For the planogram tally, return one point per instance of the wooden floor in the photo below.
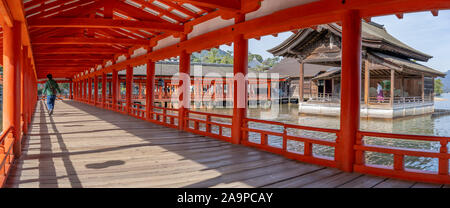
(84, 146)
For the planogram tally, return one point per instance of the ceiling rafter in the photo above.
(233, 5)
(104, 23)
(90, 41)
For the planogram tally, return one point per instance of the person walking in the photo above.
(50, 89)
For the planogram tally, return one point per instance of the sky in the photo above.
(421, 30)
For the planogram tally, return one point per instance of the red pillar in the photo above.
(76, 90)
(83, 90)
(240, 89)
(185, 82)
(115, 88)
(90, 90)
(150, 84)
(71, 90)
(104, 90)
(129, 88)
(350, 90)
(140, 90)
(11, 81)
(23, 87)
(95, 90)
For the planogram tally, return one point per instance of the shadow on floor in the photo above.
(204, 162)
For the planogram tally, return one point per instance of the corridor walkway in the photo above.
(84, 146)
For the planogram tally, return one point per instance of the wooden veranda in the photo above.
(85, 40)
(84, 146)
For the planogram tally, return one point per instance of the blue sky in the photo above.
(421, 30)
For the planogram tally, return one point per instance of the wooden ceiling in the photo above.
(71, 36)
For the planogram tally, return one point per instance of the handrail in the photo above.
(6, 156)
(161, 115)
(208, 125)
(398, 169)
(308, 142)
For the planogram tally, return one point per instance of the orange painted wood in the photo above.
(105, 23)
(90, 41)
(227, 5)
(184, 98)
(240, 69)
(11, 82)
(6, 13)
(351, 88)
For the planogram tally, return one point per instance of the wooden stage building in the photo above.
(385, 61)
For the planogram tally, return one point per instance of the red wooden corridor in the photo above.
(84, 146)
(82, 42)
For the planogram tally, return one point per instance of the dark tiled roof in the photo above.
(374, 36)
(290, 67)
(197, 69)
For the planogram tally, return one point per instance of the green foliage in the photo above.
(438, 86)
(255, 56)
(216, 56)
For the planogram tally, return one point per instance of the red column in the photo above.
(350, 90)
(185, 82)
(71, 90)
(11, 81)
(83, 90)
(240, 89)
(129, 88)
(115, 88)
(23, 87)
(95, 90)
(140, 90)
(104, 90)
(90, 90)
(150, 84)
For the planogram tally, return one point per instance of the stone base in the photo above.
(401, 110)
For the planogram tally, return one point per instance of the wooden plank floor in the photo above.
(84, 146)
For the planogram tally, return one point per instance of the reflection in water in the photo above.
(288, 113)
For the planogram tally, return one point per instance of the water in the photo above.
(418, 125)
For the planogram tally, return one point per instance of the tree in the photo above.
(255, 56)
(438, 86)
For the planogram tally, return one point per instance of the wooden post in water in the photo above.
(301, 83)
(350, 90)
(366, 82)
(391, 100)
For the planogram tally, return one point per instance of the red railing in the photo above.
(398, 169)
(138, 111)
(308, 144)
(212, 127)
(6, 154)
(165, 116)
(121, 106)
(286, 138)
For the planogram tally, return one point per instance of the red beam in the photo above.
(79, 51)
(91, 41)
(104, 23)
(233, 5)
